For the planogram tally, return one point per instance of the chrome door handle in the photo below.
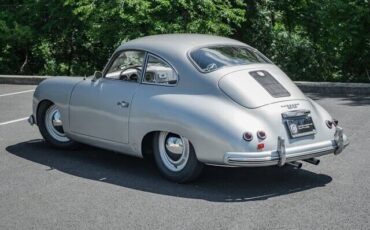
(123, 104)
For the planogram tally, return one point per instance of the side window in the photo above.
(159, 72)
(127, 66)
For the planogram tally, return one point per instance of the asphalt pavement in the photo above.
(45, 188)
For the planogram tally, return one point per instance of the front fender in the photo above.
(58, 91)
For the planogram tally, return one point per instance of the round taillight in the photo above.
(261, 135)
(329, 124)
(335, 122)
(248, 136)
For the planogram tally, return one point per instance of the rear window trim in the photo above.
(224, 45)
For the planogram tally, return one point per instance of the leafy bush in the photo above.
(314, 40)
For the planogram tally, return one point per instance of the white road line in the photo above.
(15, 93)
(13, 121)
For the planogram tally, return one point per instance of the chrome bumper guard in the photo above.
(282, 155)
(31, 120)
(338, 139)
(281, 151)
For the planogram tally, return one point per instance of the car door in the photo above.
(101, 108)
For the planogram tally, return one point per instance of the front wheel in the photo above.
(175, 157)
(51, 126)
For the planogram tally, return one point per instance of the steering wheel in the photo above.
(125, 77)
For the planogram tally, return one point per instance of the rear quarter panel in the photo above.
(212, 121)
(209, 119)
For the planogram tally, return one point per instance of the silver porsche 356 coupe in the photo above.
(188, 100)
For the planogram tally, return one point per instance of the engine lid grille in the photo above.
(271, 85)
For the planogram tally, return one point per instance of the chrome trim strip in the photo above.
(295, 113)
(248, 162)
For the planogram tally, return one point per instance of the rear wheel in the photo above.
(175, 157)
(51, 126)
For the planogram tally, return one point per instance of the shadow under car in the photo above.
(216, 184)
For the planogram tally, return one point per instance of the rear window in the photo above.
(209, 59)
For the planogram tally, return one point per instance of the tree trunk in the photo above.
(250, 14)
(21, 70)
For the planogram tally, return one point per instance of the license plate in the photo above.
(300, 126)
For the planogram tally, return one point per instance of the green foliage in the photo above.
(314, 40)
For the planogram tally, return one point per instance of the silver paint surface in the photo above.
(212, 110)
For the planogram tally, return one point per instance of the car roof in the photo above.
(180, 44)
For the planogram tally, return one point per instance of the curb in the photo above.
(334, 88)
(21, 79)
(306, 87)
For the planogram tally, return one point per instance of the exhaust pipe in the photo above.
(295, 164)
(313, 161)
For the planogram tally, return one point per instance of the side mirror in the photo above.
(97, 75)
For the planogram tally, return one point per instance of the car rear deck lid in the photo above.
(259, 85)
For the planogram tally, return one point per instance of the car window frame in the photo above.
(114, 57)
(188, 54)
(148, 54)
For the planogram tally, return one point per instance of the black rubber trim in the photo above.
(271, 85)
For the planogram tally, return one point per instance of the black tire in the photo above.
(41, 113)
(188, 173)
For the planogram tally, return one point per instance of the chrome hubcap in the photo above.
(174, 151)
(54, 125)
(174, 145)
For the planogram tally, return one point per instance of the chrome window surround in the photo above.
(162, 59)
(113, 58)
(140, 80)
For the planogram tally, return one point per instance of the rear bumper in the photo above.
(282, 155)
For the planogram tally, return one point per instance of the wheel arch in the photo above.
(38, 115)
(147, 147)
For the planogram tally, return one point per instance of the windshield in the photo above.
(209, 59)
